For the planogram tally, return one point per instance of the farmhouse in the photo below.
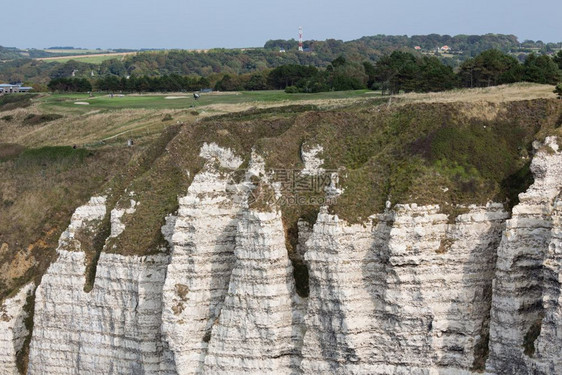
(6, 88)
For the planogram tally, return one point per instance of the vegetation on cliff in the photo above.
(453, 149)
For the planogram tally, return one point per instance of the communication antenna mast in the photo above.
(300, 39)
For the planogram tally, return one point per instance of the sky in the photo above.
(205, 24)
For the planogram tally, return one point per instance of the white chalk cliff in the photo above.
(14, 331)
(202, 260)
(526, 331)
(114, 328)
(411, 291)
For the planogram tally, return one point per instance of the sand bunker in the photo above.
(176, 97)
(82, 103)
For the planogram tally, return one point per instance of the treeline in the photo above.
(248, 61)
(404, 71)
(471, 45)
(167, 83)
(70, 85)
(492, 68)
(392, 73)
(9, 53)
(318, 53)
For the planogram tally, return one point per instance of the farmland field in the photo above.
(96, 58)
(74, 51)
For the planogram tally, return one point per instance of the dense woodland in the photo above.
(388, 63)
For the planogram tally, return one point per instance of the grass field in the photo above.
(91, 59)
(105, 120)
(74, 51)
(226, 102)
(113, 120)
(95, 57)
(214, 102)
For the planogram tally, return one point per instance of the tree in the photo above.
(558, 59)
(281, 44)
(71, 67)
(70, 85)
(346, 75)
(541, 69)
(558, 90)
(490, 68)
(257, 81)
(433, 75)
(230, 83)
(289, 75)
(112, 66)
(109, 83)
(340, 61)
(371, 72)
(396, 72)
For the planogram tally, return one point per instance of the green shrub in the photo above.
(64, 155)
(291, 89)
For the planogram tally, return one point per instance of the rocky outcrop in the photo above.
(14, 331)
(311, 159)
(260, 327)
(117, 227)
(202, 259)
(527, 282)
(114, 328)
(230, 301)
(408, 294)
(548, 346)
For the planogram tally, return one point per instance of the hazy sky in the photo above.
(250, 23)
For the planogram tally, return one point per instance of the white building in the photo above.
(6, 88)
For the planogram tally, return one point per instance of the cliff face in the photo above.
(408, 293)
(524, 337)
(260, 327)
(14, 331)
(202, 260)
(114, 328)
(411, 290)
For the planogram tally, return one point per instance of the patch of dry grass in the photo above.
(90, 129)
(496, 94)
(322, 104)
(10, 150)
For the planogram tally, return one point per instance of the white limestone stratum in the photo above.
(412, 291)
